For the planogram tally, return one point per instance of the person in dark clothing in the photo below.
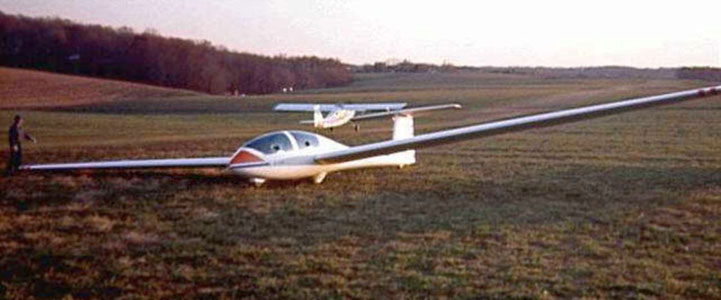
(15, 134)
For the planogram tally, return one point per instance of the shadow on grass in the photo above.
(32, 266)
(174, 219)
(341, 208)
(382, 204)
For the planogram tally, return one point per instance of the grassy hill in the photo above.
(21, 88)
(625, 206)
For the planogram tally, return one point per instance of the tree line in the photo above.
(63, 46)
(405, 66)
(700, 73)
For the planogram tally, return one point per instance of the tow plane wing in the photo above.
(415, 111)
(310, 107)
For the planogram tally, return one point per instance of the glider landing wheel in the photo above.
(318, 179)
(258, 182)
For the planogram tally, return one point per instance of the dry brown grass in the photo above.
(34, 89)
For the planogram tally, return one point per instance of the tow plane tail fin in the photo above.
(317, 116)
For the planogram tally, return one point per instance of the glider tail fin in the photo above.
(403, 129)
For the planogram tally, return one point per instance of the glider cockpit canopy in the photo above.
(285, 141)
(271, 143)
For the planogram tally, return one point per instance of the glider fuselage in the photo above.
(288, 155)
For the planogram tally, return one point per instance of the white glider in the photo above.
(340, 114)
(289, 155)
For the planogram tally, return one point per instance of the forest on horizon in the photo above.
(63, 46)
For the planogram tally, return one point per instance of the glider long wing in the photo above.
(135, 164)
(414, 111)
(510, 125)
(298, 107)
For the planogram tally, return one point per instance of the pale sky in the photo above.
(478, 33)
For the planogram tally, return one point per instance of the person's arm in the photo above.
(29, 137)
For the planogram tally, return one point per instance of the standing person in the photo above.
(15, 134)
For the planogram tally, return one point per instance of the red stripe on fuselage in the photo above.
(244, 157)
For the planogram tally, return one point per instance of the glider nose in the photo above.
(245, 157)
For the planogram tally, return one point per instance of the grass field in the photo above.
(627, 206)
(27, 88)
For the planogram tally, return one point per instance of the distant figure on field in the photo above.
(15, 134)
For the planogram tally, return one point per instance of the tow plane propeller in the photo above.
(292, 154)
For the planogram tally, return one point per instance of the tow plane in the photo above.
(293, 154)
(341, 114)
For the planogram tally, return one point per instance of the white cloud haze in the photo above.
(499, 33)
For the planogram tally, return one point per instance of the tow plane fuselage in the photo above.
(335, 118)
